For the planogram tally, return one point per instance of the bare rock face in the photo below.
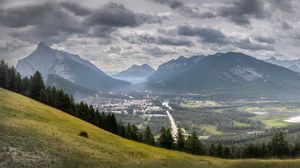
(68, 66)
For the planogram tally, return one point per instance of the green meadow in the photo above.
(36, 135)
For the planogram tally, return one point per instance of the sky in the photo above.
(114, 35)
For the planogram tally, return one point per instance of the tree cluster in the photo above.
(191, 144)
(276, 147)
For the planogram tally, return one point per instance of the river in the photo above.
(295, 119)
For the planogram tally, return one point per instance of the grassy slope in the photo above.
(36, 135)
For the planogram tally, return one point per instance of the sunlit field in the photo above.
(35, 135)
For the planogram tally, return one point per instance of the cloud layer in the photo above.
(114, 35)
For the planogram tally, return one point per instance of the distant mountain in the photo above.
(136, 73)
(68, 86)
(224, 72)
(68, 66)
(293, 65)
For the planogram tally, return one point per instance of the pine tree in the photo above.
(212, 150)
(37, 85)
(12, 79)
(169, 140)
(45, 98)
(297, 149)
(264, 150)
(122, 130)
(18, 83)
(180, 143)
(113, 124)
(279, 146)
(148, 136)
(134, 132)
(250, 151)
(193, 144)
(26, 85)
(165, 139)
(140, 136)
(4, 81)
(128, 131)
(219, 150)
(226, 152)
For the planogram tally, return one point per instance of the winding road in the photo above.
(172, 121)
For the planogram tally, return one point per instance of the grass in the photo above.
(36, 135)
(275, 108)
(274, 121)
(241, 124)
(199, 104)
(210, 130)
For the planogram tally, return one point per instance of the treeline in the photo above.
(276, 147)
(35, 88)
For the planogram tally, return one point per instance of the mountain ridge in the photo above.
(68, 87)
(230, 71)
(68, 66)
(136, 71)
(293, 65)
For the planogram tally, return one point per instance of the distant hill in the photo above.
(293, 65)
(224, 72)
(136, 73)
(144, 70)
(68, 66)
(68, 86)
(35, 135)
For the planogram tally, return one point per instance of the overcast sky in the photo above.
(116, 34)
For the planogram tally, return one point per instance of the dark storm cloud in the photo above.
(171, 3)
(284, 5)
(157, 51)
(160, 40)
(102, 31)
(76, 9)
(151, 19)
(207, 15)
(262, 39)
(285, 25)
(206, 34)
(181, 7)
(54, 22)
(247, 44)
(2, 2)
(47, 19)
(114, 15)
(240, 11)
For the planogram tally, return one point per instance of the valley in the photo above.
(150, 84)
(240, 102)
(212, 119)
(36, 135)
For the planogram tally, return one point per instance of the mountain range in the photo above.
(67, 66)
(230, 72)
(136, 73)
(293, 65)
(224, 72)
(144, 70)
